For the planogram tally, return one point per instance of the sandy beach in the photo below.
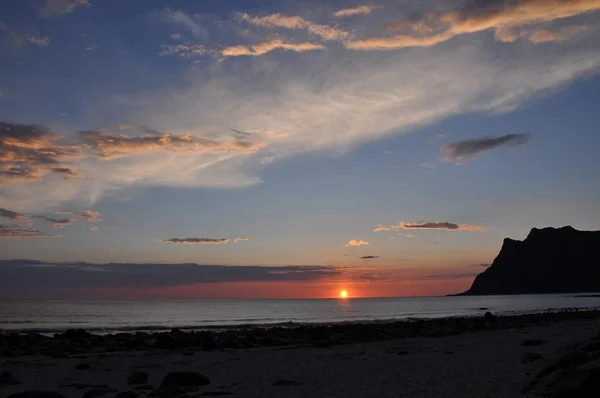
(494, 361)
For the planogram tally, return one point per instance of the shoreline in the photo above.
(289, 324)
(491, 356)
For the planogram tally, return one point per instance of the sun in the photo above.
(344, 294)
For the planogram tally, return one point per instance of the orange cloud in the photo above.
(242, 239)
(55, 8)
(12, 231)
(196, 241)
(109, 145)
(546, 35)
(356, 243)
(435, 28)
(437, 225)
(185, 50)
(265, 47)
(347, 12)
(56, 223)
(94, 229)
(326, 32)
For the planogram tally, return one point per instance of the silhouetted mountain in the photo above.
(549, 260)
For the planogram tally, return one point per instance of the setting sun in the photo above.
(343, 294)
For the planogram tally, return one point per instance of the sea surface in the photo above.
(48, 316)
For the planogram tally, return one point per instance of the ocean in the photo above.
(103, 316)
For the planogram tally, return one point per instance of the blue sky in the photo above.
(300, 126)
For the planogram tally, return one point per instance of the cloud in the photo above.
(27, 152)
(13, 231)
(186, 21)
(432, 225)
(70, 175)
(437, 137)
(196, 241)
(175, 36)
(20, 39)
(32, 276)
(91, 48)
(242, 239)
(408, 235)
(55, 8)
(347, 12)
(56, 223)
(12, 215)
(428, 165)
(555, 36)
(93, 228)
(265, 47)
(356, 243)
(468, 149)
(326, 32)
(435, 28)
(87, 215)
(111, 145)
(184, 50)
(368, 257)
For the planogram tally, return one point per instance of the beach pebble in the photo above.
(99, 392)
(530, 357)
(6, 379)
(532, 342)
(37, 394)
(185, 379)
(127, 394)
(138, 377)
(287, 383)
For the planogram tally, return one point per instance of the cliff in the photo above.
(549, 260)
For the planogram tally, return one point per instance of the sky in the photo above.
(288, 148)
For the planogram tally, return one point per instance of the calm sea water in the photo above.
(156, 314)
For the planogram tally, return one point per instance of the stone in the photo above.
(530, 357)
(7, 379)
(167, 392)
(490, 318)
(138, 377)
(82, 366)
(167, 341)
(37, 394)
(144, 387)
(99, 392)
(127, 394)
(185, 379)
(532, 342)
(287, 383)
(215, 393)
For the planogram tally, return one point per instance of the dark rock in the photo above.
(549, 260)
(6, 379)
(490, 318)
(138, 377)
(167, 341)
(74, 334)
(287, 383)
(82, 366)
(188, 353)
(37, 394)
(185, 379)
(208, 341)
(144, 387)
(99, 392)
(83, 385)
(57, 354)
(127, 394)
(167, 392)
(215, 393)
(532, 342)
(530, 357)
(591, 346)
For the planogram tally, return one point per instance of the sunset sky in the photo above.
(290, 148)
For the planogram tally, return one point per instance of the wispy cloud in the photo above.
(437, 137)
(13, 231)
(55, 8)
(56, 222)
(427, 165)
(242, 239)
(185, 49)
(196, 241)
(555, 35)
(369, 257)
(347, 12)
(435, 28)
(93, 228)
(20, 39)
(325, 32)
(91, 47)
(468, 149)
(12, 215)
(408, 235)
(432, 225)
(356, 243)
(87, 215)
(268, 46)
